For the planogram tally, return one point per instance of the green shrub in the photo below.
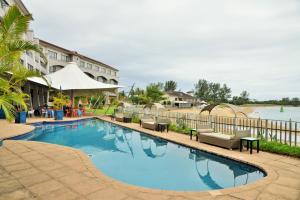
(135, 119)
(278, 148)
(179, 129)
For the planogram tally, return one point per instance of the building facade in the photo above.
(58, 57)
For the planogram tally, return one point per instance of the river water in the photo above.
(273, 112)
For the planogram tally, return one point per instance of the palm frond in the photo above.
(16, 47)
(14, 24)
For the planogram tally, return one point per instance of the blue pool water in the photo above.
(138, 159)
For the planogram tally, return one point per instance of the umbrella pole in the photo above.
(72, 99)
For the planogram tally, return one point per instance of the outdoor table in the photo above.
(191, 134)
(127, 119)
(162, 126)
(249, 140)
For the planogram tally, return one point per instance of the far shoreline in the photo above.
(266, 105)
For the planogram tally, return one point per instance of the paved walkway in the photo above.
(34, 170)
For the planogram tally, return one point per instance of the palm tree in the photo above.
(13, 74)
(170, 86)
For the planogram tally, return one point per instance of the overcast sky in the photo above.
(251, 45)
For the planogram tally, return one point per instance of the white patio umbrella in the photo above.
(72, 80)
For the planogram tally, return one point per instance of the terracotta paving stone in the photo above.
(6, 177)
(61, 172)
(60, 194)
(289, 182)
(45, 187)
(35, 179)
(269, 196)
(12, 162)
(88, 187)
(25, 172)
(10, 186)
(18, 166)
(247, 195)
(107, 193)
(283, 192)
(18, 195)
(58, 172)
(73, 179)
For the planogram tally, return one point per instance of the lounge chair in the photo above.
(229, 141)
(149, 123)
(119, 117)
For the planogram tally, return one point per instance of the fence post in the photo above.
(271, 130)
(266, 134)
(295, 133)
(285, 130)
(280, 132)
(290, 135)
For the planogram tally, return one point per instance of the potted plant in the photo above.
(2, 114)
(58, 102)
(21, 117)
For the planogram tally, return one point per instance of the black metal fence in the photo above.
(286, 132)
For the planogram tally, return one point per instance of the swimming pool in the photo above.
(142, 160)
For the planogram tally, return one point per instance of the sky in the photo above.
(251, 45)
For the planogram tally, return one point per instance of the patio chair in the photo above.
(119, 117)
(149, 123)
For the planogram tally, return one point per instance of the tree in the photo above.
(224, 93)
(202, 89)
(245, 96)
(170, 86)
(154, 93)
(13, 26)
(212, 92)
(242, 99)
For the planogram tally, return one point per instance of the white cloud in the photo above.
(249, 44)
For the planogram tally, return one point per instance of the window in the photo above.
(29, 53)
(37, 58)
(52, 55)
(103, 70)
(65, 58)
(30, 67)
(82, 64)
(89, 66)
(108, 71)
(96, 68)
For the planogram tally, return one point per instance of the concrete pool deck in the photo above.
(35, 170)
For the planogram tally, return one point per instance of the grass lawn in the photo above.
(103, 111)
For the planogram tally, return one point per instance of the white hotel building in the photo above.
(58, 57)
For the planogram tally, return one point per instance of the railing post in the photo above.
(271, 130)
(296, 133)
(290, 135)
(285, 130)
(266, 134)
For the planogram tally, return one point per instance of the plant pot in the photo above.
(58, 114)
(21, 117)
(2, 114)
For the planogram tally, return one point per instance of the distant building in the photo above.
(180, 99)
